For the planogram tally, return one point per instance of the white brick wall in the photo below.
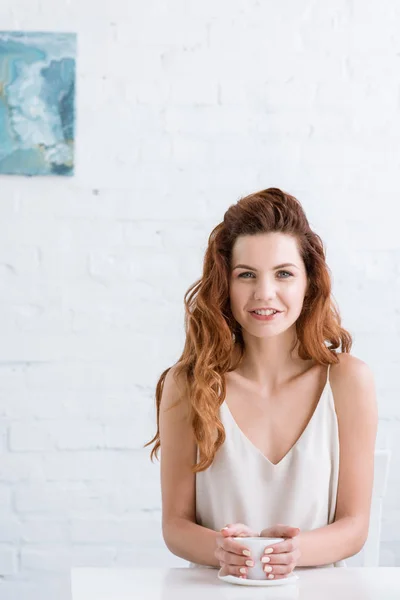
(182, 107)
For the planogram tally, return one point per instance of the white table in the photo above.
(380, 583)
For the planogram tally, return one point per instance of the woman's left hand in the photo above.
(285, 555)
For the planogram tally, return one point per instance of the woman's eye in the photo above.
(286, 274)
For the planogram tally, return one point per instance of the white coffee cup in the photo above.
(257, 545)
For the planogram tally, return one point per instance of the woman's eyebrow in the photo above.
(254, 269)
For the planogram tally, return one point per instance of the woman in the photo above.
(267, 425)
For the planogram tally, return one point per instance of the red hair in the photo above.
(212, 333)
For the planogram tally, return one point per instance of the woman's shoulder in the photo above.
(176, 375)
(352, 384)
(175, 386)
(349, 367)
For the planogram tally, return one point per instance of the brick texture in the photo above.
(182, 107)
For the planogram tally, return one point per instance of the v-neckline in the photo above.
(296, 443)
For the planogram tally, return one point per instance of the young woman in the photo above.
(266, 423)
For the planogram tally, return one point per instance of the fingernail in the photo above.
(265, 559)
(242, 570)
(247, 552)
(271, 576)
(249, 563)
(268, 551)
(268, 569)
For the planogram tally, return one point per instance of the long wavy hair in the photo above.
(214, 337)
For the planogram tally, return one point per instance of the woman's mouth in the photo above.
(265, 315)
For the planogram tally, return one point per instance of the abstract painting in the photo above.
(37, 103)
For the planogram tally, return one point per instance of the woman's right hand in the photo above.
(230, 552)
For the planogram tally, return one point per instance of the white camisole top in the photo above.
(243, 486)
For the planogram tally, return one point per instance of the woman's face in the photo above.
(267, 271)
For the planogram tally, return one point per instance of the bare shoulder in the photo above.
(350, 370)
(174, 391)
(353, 385)
(175, 378)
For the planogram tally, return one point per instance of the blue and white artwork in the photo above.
(37, 103)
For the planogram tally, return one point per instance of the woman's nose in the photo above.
(265, 290)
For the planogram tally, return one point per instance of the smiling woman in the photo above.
(282, 290)
(256, 420)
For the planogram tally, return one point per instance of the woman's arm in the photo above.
(191, 542)
(330, 543)
(178, 451)
(353, 390)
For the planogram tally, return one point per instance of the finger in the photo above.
(279, 569)
(288, 545)
(277, 559)
(237, 530)
(233, 559)
(234, 546)
(280, 531)
(282, 559)
(236, 571)
(272, 576)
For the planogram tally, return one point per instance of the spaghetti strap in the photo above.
(327, 373)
